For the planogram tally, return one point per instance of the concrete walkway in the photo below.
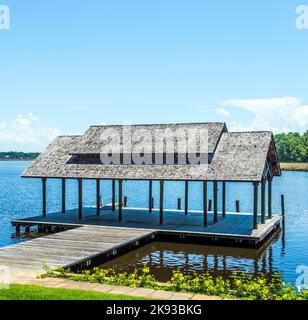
(30, 278)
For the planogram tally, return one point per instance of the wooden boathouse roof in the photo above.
(233, 156)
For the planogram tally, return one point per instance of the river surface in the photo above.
(22, 198)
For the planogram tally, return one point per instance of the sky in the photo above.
(66, 65)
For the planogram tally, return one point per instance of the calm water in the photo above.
(22, 198)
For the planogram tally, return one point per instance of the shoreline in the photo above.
(25, 159)
(294, 166)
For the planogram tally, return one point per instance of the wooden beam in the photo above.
(205, 203)
(44, 210)
(161, 202)
(255, 205)
(269, 198)
(113, 196)
(150, 195)
(263, 201)
(98, 195)
(215, 201)
(120, 200)
(223, 199)
(186, 198)
(63, 195)
(79, 198)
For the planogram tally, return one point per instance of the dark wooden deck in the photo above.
(235, 226)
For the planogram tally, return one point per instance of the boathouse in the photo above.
(243, 157)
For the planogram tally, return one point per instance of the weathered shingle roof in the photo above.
(238, 157)
(241, 156)
(55, 163)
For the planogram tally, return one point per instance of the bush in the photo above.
(239, 285)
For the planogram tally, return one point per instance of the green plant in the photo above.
(239, 285)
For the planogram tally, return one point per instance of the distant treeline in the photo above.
(18, 155)
(292, 147)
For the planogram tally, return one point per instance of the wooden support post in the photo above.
(263, 201)
(205, 203)
(98, 197)
(186, 198)
(113, 196)
(161, 202)
(63, 195)
(150, 196)
(179, 204)
(269, 198)
(152, 202)
(125, 202)
(237, 205)
(215, 201)
(223, 199)
(79, 198)
(282, 206)
(210, 205)
(120, 200)
(255, 205)
(44, 196)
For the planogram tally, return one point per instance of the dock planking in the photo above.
(233, 225)
(68, 247)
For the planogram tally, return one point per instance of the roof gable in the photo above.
(242, 156)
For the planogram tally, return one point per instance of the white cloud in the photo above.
(26, 133)
(223, 112)
(277, 114)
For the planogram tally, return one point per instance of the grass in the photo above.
(34, 292)
(293, 166)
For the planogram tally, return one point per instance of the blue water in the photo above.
(22, 198)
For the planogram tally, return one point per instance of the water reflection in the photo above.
(163, 258)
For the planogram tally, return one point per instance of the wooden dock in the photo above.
(235, 229)
(78, 246)
(95, 239)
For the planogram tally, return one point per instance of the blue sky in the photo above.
(65, 65)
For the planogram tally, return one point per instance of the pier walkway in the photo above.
(71, 247)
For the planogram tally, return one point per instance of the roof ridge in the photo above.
(69, 135)
(157, 124)
(258, 131)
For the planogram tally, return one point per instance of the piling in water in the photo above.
(282, 206)
(237, 205)
(179, 203)
(210, 205)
